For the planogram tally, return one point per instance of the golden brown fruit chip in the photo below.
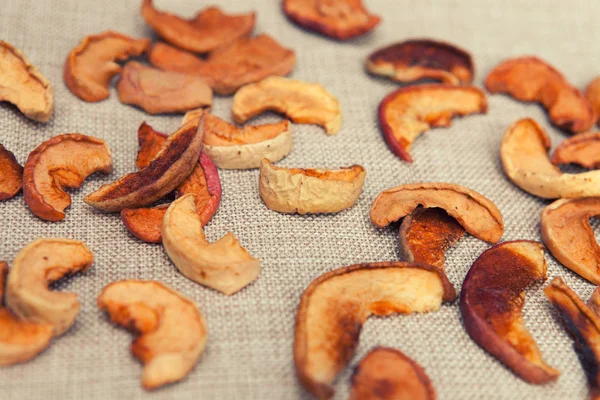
(63, 161)
(410, 111)
(592, 93)
(303, 103)
(11, 174)
(474, 212)
(23, 85)
(91, 65)
(334, 307)
(582, 149)
(531, 79)
(491, 304)
(209, 29)
(418, 59)
(338, 19)
(388, 374)
(171, 330)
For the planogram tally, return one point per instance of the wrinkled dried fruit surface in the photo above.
(418, 59)
(592, 93)
(582, 149)
(303, 103)
(410, 111)
(334, 307)
(63, 161)
(11, 174)
(145, 223)
(339, 19)
(491, 304)
(532, 79)
(208, 30)
(23, 85)
(91, 65)
(171, 331)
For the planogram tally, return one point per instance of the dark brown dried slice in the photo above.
(11, 174)
(582, 149)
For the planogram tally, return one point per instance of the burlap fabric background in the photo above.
(249, 352)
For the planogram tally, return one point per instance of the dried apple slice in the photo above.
(145, 223)
(303, 103)
(334, 307)
(582, 149)
(592, 93)
(11, 174)
(23, 85)
(418, 59)
(150, 142)
(491, 304)
(209, 29)
(91, 65)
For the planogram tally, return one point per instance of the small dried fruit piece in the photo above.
(63, 161)
(491, 304)
(23, 85)
(338, 19)
(410, 111)
(91, 65)
(11, 174)
(335, 305)
(171, 330)
(303, 103)
(592, 93)
(145, 223)
(582, 149)
(150, 142)
(532, 79)
(417, 59)
(388, 374)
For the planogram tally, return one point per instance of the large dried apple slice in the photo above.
(410, 111)
(582, 149)
(11, 174)
(491, 304)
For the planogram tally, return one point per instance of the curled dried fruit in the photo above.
(410, 111)
(335, 305)
(532, 79)
(592, 93)
(23, 85)
(582, 149)
(63, 161)
(310, 191)
(171, 330)
(11, 174)
(303, 103)
(491, 304)
(91, 65)
(418, 59)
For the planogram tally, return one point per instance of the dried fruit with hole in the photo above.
(303, 103)
(11, 174)
(171, 331)
(491, 304)
(63, 161)
(592, 93)
(410, 111)
(334, 307)
(91, 65)
(23, 85)
(582, 149)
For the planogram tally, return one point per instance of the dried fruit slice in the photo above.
(23, 85)
(209, 29)
(582, 149)
(474, 212)
(310, 191)
(338, 19)
(91, 65)
(303, 103)
(150, 142)
(418, 59)
(11, 174)
(491, 304)
(410, 111)
(532, 79)
(171, 330)
(145, 223)
(592, 93)
(335, 306)
(63, 161)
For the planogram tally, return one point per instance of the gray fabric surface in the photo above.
(249, 352)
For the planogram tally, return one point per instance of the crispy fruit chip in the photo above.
(410, 111)
(209, 29)
(11, 174)
(303, 103)
(335, 305)
(531, 79)
(63, 161)
(418, 59)
(91, 65)
(491, 304)
(338, 19)
(23, 85)
(582, 149)
(592, 93)
(171, 330)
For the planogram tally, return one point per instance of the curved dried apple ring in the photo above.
(303, 103)
(11, 174)
(23, 85)
(334, 307)
(417, 59)
(592, 93)
(410, 111)
(582, 149)
(91, 65)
